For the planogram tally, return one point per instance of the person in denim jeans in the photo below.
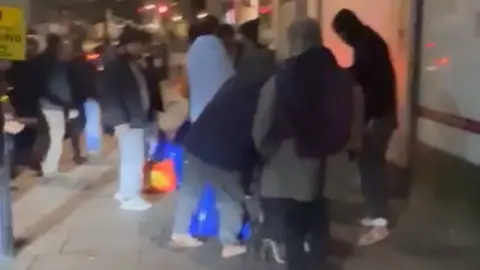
(126, 106)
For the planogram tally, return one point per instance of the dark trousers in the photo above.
(293, 223)
(372, 165)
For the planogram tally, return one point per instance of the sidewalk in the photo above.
(78, 226)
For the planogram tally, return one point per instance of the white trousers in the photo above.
(56, 122)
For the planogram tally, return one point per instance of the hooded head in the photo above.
(58, 47)
(132, 42)
(207, 25)
(33, 46)
(250, 30)
(303, 34)
(348, 26)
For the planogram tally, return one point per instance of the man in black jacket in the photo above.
(126, 107)
(374, 71)
(57, 101)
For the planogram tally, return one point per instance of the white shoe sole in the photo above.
(233, 252)
(119, 197)
(369, 222)
(126, 207)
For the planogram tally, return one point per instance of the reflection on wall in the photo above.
(450, 78)
(391, 19)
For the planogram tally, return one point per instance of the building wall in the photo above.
(449, 81)
(392, 19)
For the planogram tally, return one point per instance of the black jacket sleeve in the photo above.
(44, 66)
(113, 110)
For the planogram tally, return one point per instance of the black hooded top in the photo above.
(372, 65)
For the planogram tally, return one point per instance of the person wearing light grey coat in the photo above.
(291, 187)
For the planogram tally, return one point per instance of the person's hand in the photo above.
(170, 135)
(121, 128)
(73, 113)
(13, 127)
(8, 110)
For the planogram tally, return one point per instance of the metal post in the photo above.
(415, 75)
(6, 228)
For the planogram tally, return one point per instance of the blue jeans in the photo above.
(132, 155)
(93, 131)
(228, 193)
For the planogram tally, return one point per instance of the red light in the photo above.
(265, 9)
(431, 45)
(92, 56)
(442, 61)
(162, 9)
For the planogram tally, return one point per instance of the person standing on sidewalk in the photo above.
(374, 72)
(83, 76)
(126, 108)
(212, 153)
(303, 117)
(57, 102)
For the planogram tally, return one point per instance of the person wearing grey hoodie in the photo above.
(291, 185)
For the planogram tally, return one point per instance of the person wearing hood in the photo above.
(57, 100)
(375, 73)
(291, 189)
(250, 53)
(126, 108)
(217, 152)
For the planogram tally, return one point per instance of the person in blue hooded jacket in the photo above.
(219, 144)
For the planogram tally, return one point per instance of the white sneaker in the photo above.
(233, 250)
(119, 197)
(278, 252)
(135, 204)
(374, 235)
(306, 247)
(184, 241)
(374, 222)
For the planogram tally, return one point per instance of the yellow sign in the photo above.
(12, 33)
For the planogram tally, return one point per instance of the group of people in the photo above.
(277, 121)
(243, 117)
(63, 94)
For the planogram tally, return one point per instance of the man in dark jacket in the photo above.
(218, 154)
(25, 94)
(57, 102)
(374, 71)
(126, 108)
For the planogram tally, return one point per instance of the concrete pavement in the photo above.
(74, 224)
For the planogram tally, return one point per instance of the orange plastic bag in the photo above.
(161, 176)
